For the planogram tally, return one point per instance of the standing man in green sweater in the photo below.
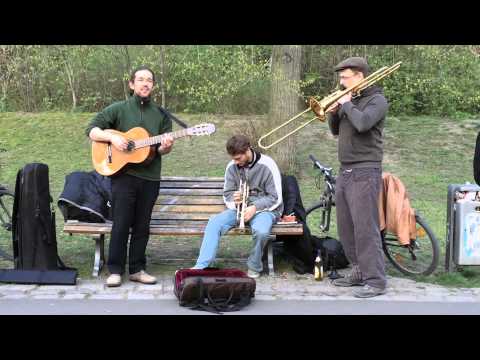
(135, 190)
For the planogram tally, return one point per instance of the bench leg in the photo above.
(269, 249)
(99, 254)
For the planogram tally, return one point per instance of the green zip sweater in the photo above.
(127, 114)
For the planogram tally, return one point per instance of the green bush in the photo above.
(252, 98)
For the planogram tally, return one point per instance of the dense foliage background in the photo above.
(235, 79)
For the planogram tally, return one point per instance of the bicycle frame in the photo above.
(327, 200)
(5, 218)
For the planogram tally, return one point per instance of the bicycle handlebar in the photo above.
(326, 171)
(318, 164)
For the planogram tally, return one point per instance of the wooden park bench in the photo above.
(183, 207)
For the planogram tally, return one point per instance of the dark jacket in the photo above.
(299, 248)
(86, 197)
(127, 114)
(292, 200)
(476, 161)
(359, 125)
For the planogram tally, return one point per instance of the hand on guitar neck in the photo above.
(166, 144)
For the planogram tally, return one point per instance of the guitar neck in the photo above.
(154, 140)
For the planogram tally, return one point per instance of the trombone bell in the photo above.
(317, 109)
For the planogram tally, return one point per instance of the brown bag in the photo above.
(213, 289)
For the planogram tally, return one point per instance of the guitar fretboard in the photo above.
(154, 140)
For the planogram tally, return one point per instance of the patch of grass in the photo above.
(426, 153)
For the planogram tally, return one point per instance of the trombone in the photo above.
(325, 105)
(242, 207)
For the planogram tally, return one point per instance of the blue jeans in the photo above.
(219, 224)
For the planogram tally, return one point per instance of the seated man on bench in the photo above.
(264, 204)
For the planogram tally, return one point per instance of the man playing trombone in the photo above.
(358, 120)
(260, 203)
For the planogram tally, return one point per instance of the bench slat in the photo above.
(191, 185)
(189, 208)
(189, 200)
(196, 192)
(178, 223)
(192, 178)
(180, 216)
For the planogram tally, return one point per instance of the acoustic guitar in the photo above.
(107, 160)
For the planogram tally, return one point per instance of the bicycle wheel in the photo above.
(324, 213)
(318, 205)
(420, 257)
(6, 207)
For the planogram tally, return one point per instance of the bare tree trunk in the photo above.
(162, 73)
(4, 92)
(285, 101)
(26, 95)
(337, 58)
(33, 93)
(71, 82)
(27, 86)
(128, 65)
(3, 99)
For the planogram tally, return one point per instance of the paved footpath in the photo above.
(285, 287)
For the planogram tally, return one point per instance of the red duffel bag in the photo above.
(214, 290)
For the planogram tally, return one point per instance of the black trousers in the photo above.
(358, 222)
(132, 204)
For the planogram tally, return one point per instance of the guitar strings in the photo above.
(157, 139)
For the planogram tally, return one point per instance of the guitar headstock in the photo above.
(201, 129)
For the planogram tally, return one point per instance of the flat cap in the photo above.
(354, 62)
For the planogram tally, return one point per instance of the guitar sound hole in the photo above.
(131, 145)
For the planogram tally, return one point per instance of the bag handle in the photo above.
(219, 304)
(217, 307)
(200, 304)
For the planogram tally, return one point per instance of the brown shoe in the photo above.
(114, 280)
(143, 278)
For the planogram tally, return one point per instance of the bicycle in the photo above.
(420, 257)
(6, 208)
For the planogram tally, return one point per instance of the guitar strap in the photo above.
(174, 118)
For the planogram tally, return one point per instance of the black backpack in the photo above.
(33, 228)
(332, 253)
